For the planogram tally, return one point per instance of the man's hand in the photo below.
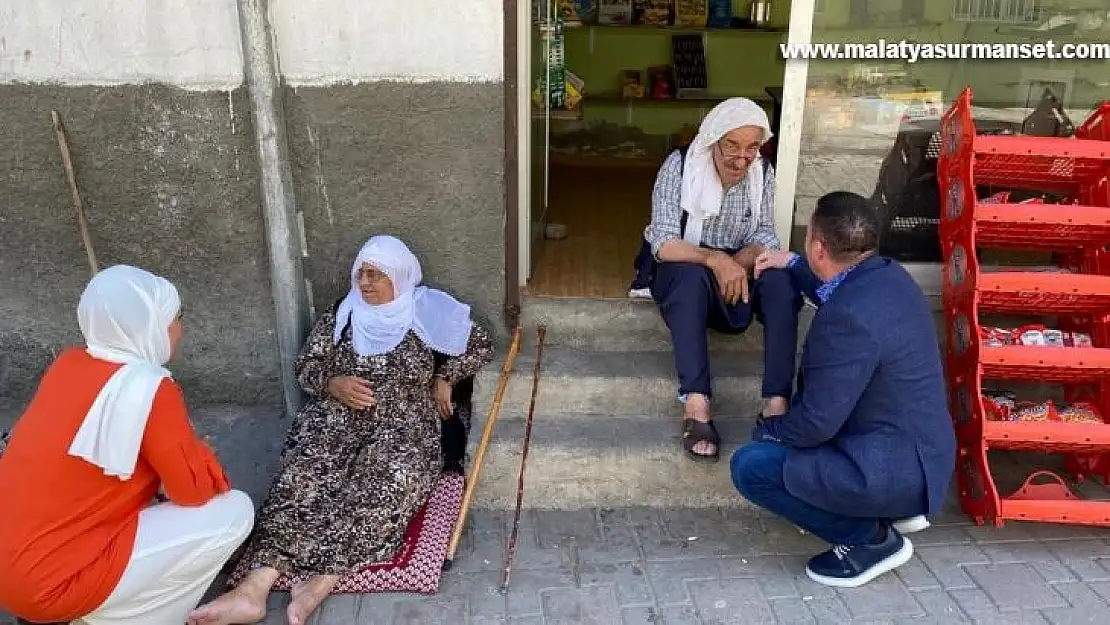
(351, 391)
(746, 257)
(772, 259)
(732, 278)
(441, 395)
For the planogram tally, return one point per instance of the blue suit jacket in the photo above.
(869, 430)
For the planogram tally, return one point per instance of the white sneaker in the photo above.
(911, 525)
(640, 293)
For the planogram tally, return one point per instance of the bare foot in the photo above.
(243, 605)
(233, 607)
(697, 408)
(307, 596)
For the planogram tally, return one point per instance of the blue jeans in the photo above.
(757, 472)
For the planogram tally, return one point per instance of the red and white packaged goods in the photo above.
(1035, 336)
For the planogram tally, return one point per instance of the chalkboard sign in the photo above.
(688, 54)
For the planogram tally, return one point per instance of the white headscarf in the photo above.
(442, 322)
(125, 314)
(702, 191)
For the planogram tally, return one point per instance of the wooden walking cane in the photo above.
(510, 553)
(483, 445)
(82, 219)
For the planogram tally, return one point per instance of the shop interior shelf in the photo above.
(1047, 436)
(1045, 293)
(1051, 163)
(1069, 511)
(1045, 364)
(1041, 226)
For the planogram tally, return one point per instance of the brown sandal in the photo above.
(694, 432)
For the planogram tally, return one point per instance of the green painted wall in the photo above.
(740, 63)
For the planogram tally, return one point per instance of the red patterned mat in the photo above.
(418, 565)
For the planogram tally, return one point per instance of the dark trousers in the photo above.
(690, 301)
(757, 472)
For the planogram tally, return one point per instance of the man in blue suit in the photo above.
(867, 446)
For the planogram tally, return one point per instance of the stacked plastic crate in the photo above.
(1040, 194)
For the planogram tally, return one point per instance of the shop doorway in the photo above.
(608, 89)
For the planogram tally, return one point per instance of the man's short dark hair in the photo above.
(847, 224)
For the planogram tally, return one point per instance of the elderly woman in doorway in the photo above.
(365, 453)
(81, 538)
(712, 216)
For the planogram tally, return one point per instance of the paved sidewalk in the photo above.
(707, 567)
(712, 567)
(686, 567)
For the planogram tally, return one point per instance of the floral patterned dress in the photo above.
(351, 480)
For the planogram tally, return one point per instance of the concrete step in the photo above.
(577, 381)
(635, 325)
(616, 325)
(607, 420)
(609, 461)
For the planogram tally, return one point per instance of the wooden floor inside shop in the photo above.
(605, 211)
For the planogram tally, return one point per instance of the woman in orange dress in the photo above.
(81, 538)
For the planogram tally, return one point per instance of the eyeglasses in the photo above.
(372, 275)
(732, 150)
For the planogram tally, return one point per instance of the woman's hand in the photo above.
(441, 395)
(351, 391)
(731, 277)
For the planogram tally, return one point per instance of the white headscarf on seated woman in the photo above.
(442, 322)
(702, 190)
(124, 314)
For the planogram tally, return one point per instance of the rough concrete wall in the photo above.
(423, 162)
(394, 112)
(170, 184)
(167, 171)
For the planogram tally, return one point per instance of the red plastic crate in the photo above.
(1049, 163)
(1015, 161)
(1078, 169)
(1041, 226)
(1043, 293)
(1045, 364)
(1097, 126)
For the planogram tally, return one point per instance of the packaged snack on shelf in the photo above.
(1033, 411)
(998, 198)
(614, 12)
(651, 12)
(571, 11)
(575, 90)
(720, 13)
(999, 404)
(997, 337)
(1032, 336)
(1079, 412)
(1078, 339)
(691, 13)
(1053, 338)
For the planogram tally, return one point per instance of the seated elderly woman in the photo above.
(81, 538)
(712, 216)
(365, 453)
